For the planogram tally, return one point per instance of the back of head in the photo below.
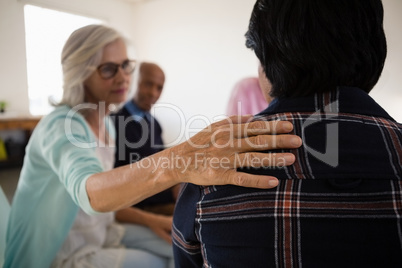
(81, 55)
(309, 46)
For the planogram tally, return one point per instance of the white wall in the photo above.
(388, 91)
(199, 44)
(13, 73)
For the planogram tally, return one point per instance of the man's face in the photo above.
(150, 86)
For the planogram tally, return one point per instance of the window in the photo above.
(46, 32)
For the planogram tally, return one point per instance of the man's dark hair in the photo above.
(309, 46)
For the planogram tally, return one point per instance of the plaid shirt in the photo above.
(339, 205)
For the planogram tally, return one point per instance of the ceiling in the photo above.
(134, 1)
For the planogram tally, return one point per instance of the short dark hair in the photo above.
(310, 46)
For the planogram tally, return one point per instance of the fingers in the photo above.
(261, 128)
(213, 155)
(258, 135)
(246, 127)
(242, 127)
(268, 127)
(269, 142)
(249, 180)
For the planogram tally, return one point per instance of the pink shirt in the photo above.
(246, 98)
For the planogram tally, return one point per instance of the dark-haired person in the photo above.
(340, 205)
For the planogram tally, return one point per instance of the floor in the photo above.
(8, 181)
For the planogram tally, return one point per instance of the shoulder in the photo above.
(61, 115)
(64, 122)
(156, 122)
(119, 118)
(123, 111)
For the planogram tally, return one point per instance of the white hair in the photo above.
(81, 55)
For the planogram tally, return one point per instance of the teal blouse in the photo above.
(60, 157)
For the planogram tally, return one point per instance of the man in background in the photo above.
(139, 134)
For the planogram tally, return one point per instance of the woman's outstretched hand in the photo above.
(212, 156)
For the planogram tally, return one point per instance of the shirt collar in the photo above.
(342, 100)
(135, 111)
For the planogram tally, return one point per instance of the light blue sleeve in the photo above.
(69, 147)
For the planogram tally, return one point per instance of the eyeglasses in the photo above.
(109, 70)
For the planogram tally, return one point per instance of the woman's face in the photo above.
(112, 90)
